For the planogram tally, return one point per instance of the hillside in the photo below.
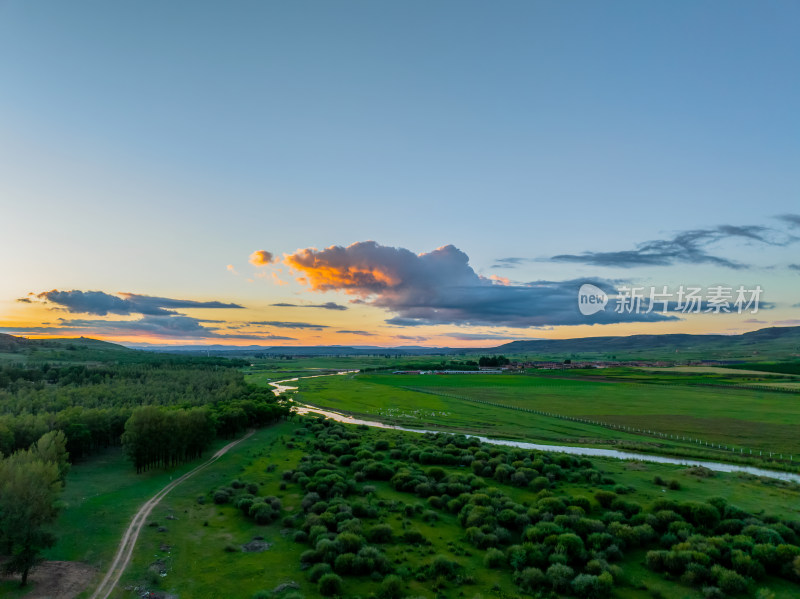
(769, 343)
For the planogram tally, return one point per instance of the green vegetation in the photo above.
(687, 415)
(30, 483)
(318, 508)
(781, 367)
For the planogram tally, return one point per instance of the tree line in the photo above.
(176, 403)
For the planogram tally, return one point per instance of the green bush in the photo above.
(530, 579)
(381, 533)
(391, 588)
(330, 584)
(494, 558)
(318, 571)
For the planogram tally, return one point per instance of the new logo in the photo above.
(591, 299)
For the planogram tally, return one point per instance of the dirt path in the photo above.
(125, 551)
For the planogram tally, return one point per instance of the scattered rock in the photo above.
(164, 547)
(285, 586)
(162, 529)
(256, 546)
(171, 517)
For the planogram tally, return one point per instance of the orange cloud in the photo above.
(500, 280)
(352, 269)
(261, 258)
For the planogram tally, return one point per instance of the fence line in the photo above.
(740, 451)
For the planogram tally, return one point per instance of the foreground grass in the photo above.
(200, 552)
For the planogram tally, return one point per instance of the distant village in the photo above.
(566, 365)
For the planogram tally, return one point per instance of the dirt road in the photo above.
(125, 551)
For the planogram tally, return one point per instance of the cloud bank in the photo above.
(440, 287)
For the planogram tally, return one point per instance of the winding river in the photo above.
(281, 387)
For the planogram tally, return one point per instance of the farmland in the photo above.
(583, 407)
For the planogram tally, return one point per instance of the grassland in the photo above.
(200, 556)
(716, 409)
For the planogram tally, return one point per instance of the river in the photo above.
(280, 387)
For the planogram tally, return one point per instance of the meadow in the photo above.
(408, 506)
(586, 408)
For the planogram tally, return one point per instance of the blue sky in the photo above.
(147, 146)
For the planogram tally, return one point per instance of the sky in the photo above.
(397, 173)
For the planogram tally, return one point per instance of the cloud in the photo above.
(795, 267)
(100, 303)
(411, 337)
(685, 247)
(440, 287)
(509, 262)
(170, 326)
(790, 323)
(793, 220)
(362, 333)
(261, 258)
(290, 325)
(482, 336)
(325, 306)
(755, 321)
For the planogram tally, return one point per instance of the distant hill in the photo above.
(772, 343)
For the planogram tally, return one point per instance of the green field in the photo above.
(711, 410)
(200, 552)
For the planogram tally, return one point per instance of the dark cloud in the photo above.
(440, 287)
(363, 333)
(325, 306)
(290, 325)
(171, 326)
(124, 304)
(482, 336)
(795, 267)
(509, 262)
(685, 247)
(793, 220)
(411, 337)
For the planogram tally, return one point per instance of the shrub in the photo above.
(674, 485)
(318, 571)
(300, 537)
(494, 558)
(729, 581)
(391, 587)
(381, 533)
(345, 563)
(560, 577)
(444, 567)
(530, 579)
(604, 498)
(330, 584)
(590, 586)
(347, 542)
(221, 496)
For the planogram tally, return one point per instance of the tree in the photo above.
(29, 488)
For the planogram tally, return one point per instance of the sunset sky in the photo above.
(351, 172)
